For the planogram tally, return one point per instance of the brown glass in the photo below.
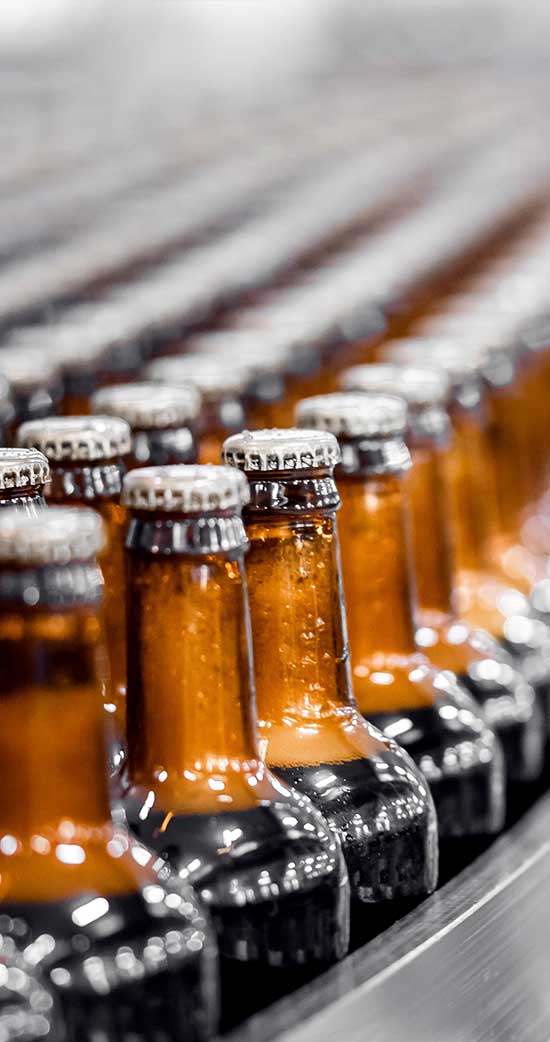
(395, 684)
(52, 746)
(191, 733)
(310, 729)
(98, 484)
(221, 415)
(60, 854)
(480, 580)
(305, 706)
(29, 499)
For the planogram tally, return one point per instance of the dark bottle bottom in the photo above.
(517, 719)
(275, 884)
(124, 969)
(382, 812)
(534, 664)
(463, 767)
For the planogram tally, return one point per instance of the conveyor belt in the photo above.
(469, 965)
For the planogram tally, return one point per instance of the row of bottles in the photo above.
(295, 795)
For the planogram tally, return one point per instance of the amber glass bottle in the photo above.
(125, 949)
(87, 461)
(394, 683)
(196, 788)
(260, 367)
(310, 727)
(162, 419)
(34, 382)
(23, 474)
(482, 595)
(222, 387)
(481, 664)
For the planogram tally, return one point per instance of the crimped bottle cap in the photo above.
(196, 489)
(281, 449)
(58, 535)
(149, 406)
(212, 375)
(23, 468)
(420, 385)
(456, 358)
(349, 415)
(77, 437)
(25, 367)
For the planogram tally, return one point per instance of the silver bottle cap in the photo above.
(419, 385)
(349, 415)
(282, 449)
(77, 437)
(26, 367)
(149, 406)
(455, 358)
(58, 535)
(197, 489)
(212, 375)
(23, 468)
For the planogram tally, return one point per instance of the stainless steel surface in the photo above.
(471, 964)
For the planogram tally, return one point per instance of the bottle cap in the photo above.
(212, 375)
(349, 415)
(198, 489)
(23, 468)
(419, 385)
(77, 437)
(58, 535)
(149, 406)
(26, 367)
(281, 449)
(456, 358)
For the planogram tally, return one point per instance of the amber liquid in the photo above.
(309, 723)
(65, 871)
(197, 791)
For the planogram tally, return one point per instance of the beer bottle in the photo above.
(310, 728)
(87, 461)
(34, 381)
(127, 950)
(23, 474)
(262, 372)
(479, 662)
(394, 683)
(483, 596)
(162, 419)
(196, 789)
(222, 384)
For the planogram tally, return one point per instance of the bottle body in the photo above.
(395, 685)
(67, 873)
(310, 728)
(98, 484)
(195, 787)
(482, 665)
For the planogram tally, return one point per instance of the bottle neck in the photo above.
(471, 491)
(376, 568)
(431, 539)
(28, 500)
(163, 447)
(52, 721)
(190, 704)
(99, 485)
(297, 609)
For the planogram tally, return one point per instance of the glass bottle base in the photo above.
(384, 817)
(463, 766)
(124, 967)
